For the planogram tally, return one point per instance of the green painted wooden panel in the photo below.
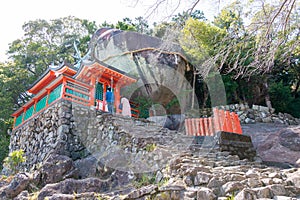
(55, 94)
(41, 104)
(29, 112)
(78, 94)
(99, 91)
(19, 120)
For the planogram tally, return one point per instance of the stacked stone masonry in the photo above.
(77, 146)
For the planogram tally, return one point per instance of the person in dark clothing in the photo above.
(110, 99)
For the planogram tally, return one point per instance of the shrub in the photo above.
(281, 97)
(4, 139)
(14, 160)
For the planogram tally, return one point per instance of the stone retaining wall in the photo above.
(236, 144)
(76, 131)
(256, 113)
(45, 134)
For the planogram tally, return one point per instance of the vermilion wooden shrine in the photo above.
(85, 86)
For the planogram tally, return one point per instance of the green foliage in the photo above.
(199, 39)
(144, 105)
(230, 18)
(14, 160)
(282, 99)
(231, 197)
(280, 96)
(163, 181)
(126, 24)
(145, 179)
(4, 143)
(150, 147)
(230, 88)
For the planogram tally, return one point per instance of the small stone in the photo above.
(251, 174)
(277, 190)
(188, 180)
(277, 181)
(254, 182)
(202, 178)
(232, 186)
(267, 181)
(263, 192)
(249, 121)
(205, 193)
(215, 183)
(267, 119)
(283, 198)
(159, 176)
(245, 194)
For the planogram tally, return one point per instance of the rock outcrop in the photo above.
(74, 152)
(188, 175)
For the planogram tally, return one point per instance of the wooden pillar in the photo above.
(117, 98)
(24, 113)
(48, 94)
(63, 88)
(104, 96)
(15, 119)
(92, 92)
(34, 108)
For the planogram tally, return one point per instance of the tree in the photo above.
(44, 43)
(47, 42)
(126, 24)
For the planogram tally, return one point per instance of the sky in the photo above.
(14, 13)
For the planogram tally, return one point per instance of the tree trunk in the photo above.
(267, 95)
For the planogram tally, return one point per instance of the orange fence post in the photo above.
(216, 120)
(238, 124)
(186, 124)
(234, 126)
(201, 124)
(228, 121)
(205, 127)
(190, 127)
(223, 126)
(197, 124)
(194, 130)
(210, 127)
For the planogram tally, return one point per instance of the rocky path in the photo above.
(196, 173)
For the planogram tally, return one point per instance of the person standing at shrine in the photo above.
(110, 99)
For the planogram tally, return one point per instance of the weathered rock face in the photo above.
(19, 183)
(90, 153)
(282, 146)
(56, 168)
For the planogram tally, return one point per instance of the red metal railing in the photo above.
(62, 88)
(220, 121)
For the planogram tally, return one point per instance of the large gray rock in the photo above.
(275, 144)
(87, 167)
(290, 138)
(19, 183)
(57, 168)
(70, 186)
